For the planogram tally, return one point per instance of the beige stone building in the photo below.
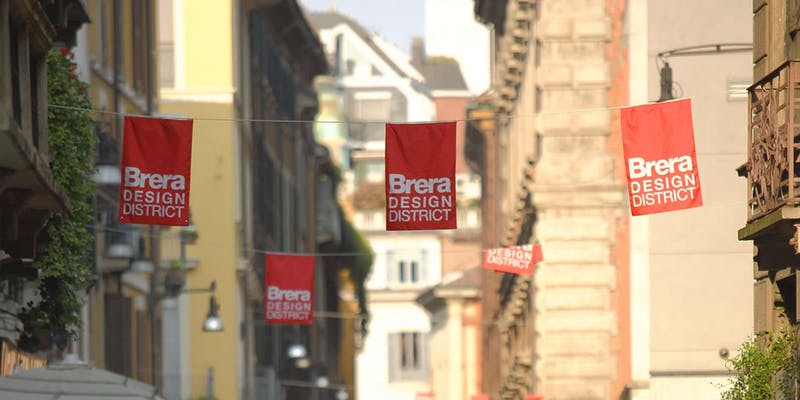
(621, 306)
(771, 168)
(556, 179)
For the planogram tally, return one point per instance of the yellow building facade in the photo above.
(115, 56)
(196, 49)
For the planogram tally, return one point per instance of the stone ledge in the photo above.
(596, 28)
(558, 389)
(583, 367)
(575, 344)
(555, 275)
(575, 321)
(576, 298)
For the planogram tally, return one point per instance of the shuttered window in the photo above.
(406, 267)
(408, 356)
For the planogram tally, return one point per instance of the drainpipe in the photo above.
(148, 38)
(117, 61)
(155, 245)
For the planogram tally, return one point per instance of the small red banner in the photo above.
(420, 176)
(480, 397)
(425, 396)
(660, 157)
(534, 397)
(514, 259)
(156, 165)
(288, 289)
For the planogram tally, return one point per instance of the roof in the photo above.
(470, 278)
(443, 73)
(459, 285)
(400, 65)
(72, 379)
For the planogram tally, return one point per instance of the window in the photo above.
(102, 25)
(408, 356)
(406, 267)
(408, 272)
(166, 45)
(16, 94)
(373, 107)
(12, 289)
(140, 45)
(737, 90)
(371, 171)
(460, 189)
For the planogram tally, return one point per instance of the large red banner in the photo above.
(420, 176)
(660, 157)
(156, 165)
(288, 289)
(514, 259)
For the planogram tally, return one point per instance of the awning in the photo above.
(73, 379)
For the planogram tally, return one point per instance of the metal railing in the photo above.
(773, 141)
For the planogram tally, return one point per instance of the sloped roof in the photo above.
(331, 19)
(470, 278)
(443, 73)
(72, 379)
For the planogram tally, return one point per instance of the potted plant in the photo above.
(174, 278)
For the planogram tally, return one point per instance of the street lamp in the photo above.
(213, 322)
(296, 350)
(341, 394)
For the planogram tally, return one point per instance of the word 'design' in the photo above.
(420, 176)
(660, 157)
(289, 285)
(514, 259)
(156, 166)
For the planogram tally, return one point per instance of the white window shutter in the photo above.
(394, 359)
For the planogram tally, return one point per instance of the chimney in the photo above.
(417, 52)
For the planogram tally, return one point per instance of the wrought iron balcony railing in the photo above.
(773, 142)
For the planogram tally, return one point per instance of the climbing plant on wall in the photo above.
(64, 251)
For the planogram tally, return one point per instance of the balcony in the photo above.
(773, 168)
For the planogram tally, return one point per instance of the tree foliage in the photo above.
(766, 366)
(64, 251)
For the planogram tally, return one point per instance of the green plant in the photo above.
(766, 366)
(359, 262)
(370, 196)
(64, 250)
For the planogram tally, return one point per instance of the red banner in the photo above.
(420, 176)
(424, 396)
(288, 289)
(514, 259)
(660, 157)
(156, 164)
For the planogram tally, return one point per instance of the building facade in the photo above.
(378, 83)
(772, 198)
(462, 38)
(554, 177)
(601, 317)
(693, 325)
(29, 193)
(255, 190)
(455, 339)
(122, 326)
